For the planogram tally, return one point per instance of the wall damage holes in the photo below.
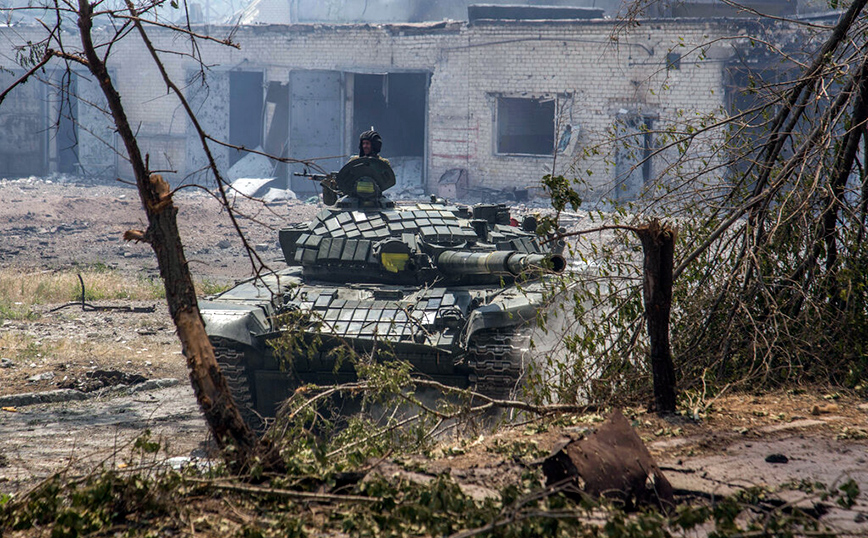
(525, 126)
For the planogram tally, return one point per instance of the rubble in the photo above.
(613, 462)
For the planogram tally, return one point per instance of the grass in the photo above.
(210, 287)
(49, 287)
(19, 290)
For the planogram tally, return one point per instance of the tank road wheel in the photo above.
(231, 358)
(497, 362)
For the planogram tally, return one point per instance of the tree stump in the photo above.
(658, 245)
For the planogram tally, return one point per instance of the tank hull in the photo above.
(462, 336)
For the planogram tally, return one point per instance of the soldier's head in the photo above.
(370, 144)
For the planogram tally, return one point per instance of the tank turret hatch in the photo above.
(363, 181)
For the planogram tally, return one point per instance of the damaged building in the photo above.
(491, 103)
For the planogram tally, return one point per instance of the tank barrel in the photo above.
(499, 262)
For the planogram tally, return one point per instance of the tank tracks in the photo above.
(497, 361)
(232, 363)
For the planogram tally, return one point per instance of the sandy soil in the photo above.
(61, 225)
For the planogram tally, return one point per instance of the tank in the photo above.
(450, 288)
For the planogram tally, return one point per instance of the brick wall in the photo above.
(593, 76)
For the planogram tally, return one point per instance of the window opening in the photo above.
(525, 126)
(633, 152)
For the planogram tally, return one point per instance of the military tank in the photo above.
(434, 283)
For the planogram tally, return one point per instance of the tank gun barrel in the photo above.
(498, 263)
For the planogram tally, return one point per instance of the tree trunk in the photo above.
(658, 245)
(209, 385)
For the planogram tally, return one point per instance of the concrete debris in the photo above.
(453, 183)
(33, 398)
(180, 463)
(100, 379)
(67, 394)
(614, 462)
(154, 384)
(251, 186)
(44, 376)
(278, 195)
(6, 363)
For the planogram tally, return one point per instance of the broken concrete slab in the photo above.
(68, 395)
(33, 398)
(794, 425)
(251, 186)
(251, 165)
(154, 384)
(613, 462)
(278, 195)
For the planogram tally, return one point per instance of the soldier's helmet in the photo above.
(375, 139)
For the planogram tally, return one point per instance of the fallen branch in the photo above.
(292, 494)
(488, 402)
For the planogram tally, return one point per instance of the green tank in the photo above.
(435, 283)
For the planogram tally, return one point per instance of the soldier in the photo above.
(370, 144)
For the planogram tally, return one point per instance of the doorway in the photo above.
(395, 105)
(245, 112)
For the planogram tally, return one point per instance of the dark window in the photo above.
(673, 61)
(245, 111)
(525, 126)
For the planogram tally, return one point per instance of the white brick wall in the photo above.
(468, 65)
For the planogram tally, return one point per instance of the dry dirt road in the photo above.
(48, 226)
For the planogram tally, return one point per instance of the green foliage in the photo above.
(207, 286)
(72, 508)
(402, 504)
(850, 492)
(595, 317)
(522, 450)
(145, 444)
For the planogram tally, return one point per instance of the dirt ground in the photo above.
(63, 225)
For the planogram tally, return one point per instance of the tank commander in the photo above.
(370, 144)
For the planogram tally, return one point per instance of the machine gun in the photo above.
(362, 179)
(328, 182)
